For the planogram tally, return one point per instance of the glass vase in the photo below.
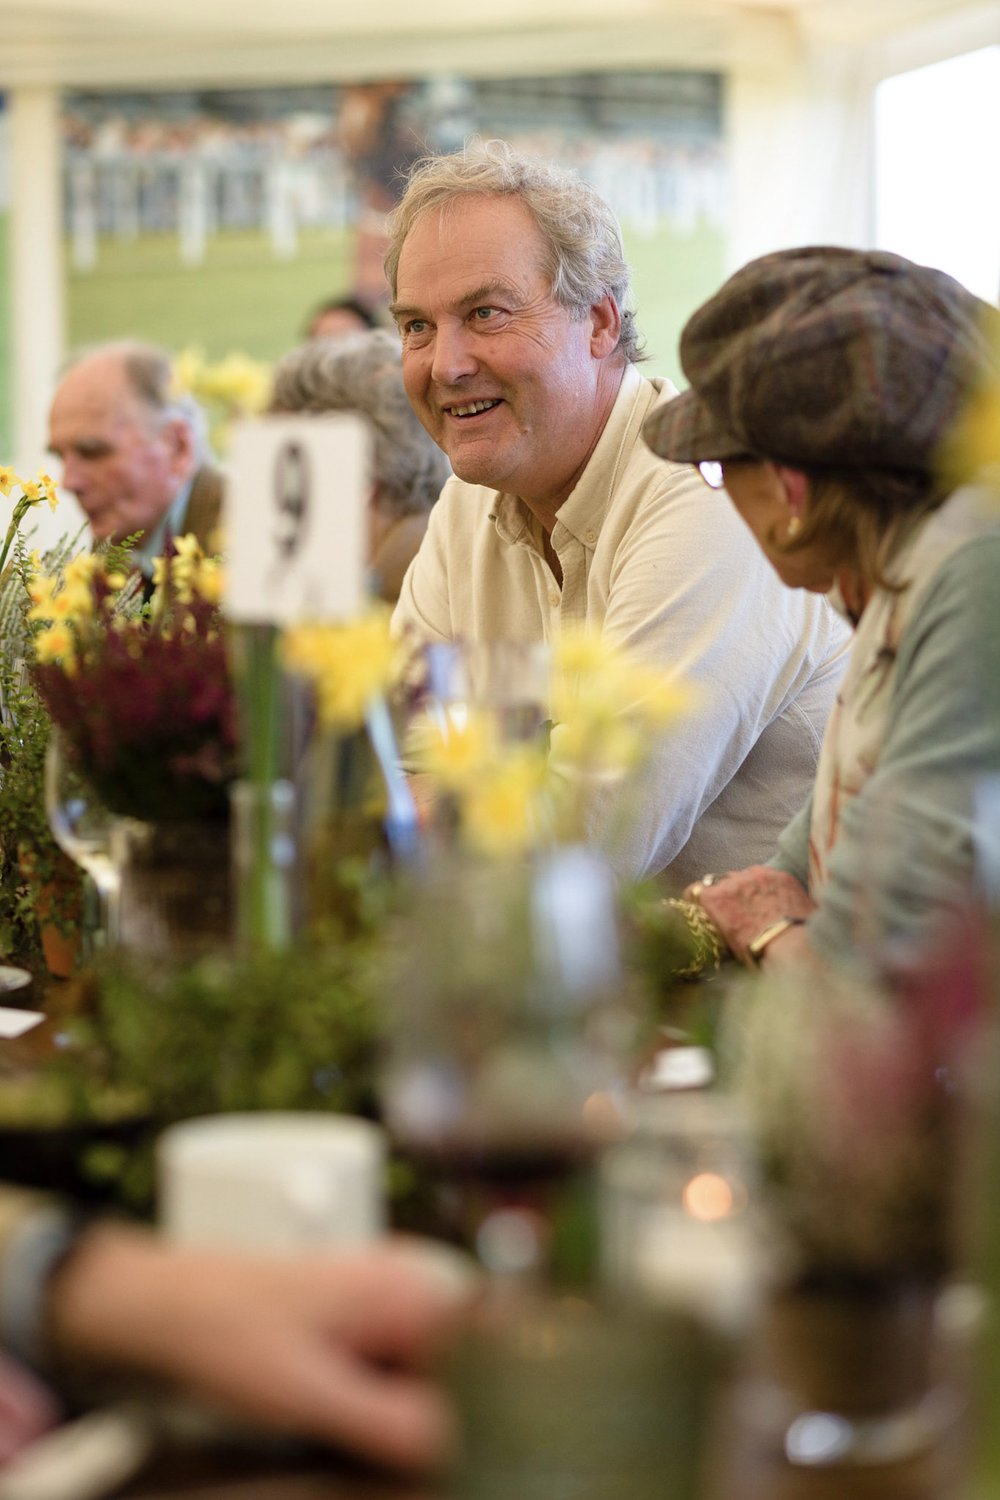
(175, 897)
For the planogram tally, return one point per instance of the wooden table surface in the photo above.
(748, 1469)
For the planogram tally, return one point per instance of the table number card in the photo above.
(296, 518)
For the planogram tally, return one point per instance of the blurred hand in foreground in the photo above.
(335, 1346)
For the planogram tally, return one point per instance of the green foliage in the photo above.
(25, 837)
(295, 1030)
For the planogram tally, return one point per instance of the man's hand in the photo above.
(744, 902)
(334, 1346)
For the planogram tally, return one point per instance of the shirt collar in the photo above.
(151, 546)
(582, 513)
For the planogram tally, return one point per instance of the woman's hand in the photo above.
(744, 902)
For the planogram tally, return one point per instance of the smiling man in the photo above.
(511, 295)
(132, 450)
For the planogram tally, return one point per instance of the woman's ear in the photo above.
(795, 484)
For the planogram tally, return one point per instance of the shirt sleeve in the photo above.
(36, 1233)
(422, 611)
(692, 594)
(792, 853)
(911, 841)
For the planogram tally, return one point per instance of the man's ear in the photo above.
(180, 440)
(606, 327)
(795, 485)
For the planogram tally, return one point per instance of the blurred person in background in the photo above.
(825, 386)
(134, 452)
(339, 316)
(362, 373)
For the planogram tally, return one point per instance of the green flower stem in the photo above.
(262, 904)
(20, 511)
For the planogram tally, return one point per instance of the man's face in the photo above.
(512, 387)
(124, 466)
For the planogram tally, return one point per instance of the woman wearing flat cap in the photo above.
(824, 387)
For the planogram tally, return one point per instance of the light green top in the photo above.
(912, 839)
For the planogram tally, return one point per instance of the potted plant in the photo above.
(142, 699)
(850, 1088)
(40, 888)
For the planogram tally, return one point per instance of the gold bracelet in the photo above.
(708, 947)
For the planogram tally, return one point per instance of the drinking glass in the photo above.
(509, 680)
(81, 826)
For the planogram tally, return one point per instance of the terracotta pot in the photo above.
(58, 908)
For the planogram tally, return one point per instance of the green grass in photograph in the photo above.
(672, 274)
(243, 298)
(240, 298)
(6, 416)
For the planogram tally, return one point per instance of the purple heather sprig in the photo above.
(142, 695)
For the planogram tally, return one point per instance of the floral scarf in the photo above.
(859, 721)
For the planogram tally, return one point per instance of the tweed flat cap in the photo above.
(828, 358)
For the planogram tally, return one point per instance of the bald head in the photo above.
(127, 447)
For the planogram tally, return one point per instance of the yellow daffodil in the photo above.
(211, 580)
(8, 479)
(73, 602)
(350, 665)
(187, 548)
(32, 491)
(57, 644)
(81, 568)
(459, 750)
(188, 368)
(239, 382)
(48, 488)
(502, 811)
(40, 591)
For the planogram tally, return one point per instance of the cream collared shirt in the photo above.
(666, 568)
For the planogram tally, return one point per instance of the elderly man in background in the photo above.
(361, 372)
(511, 294)
(133, 451)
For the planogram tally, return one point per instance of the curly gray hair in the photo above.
(362, 372)
(585, 257)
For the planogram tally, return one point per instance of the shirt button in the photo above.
(590, 536)
(554, 600)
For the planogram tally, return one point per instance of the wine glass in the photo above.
(507, 679)
(81, 826)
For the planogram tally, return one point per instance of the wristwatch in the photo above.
(757, 946)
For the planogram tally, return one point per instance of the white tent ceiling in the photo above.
(130, 43)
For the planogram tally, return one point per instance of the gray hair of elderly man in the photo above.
(362, 372)
(149, 374)
(585, 257)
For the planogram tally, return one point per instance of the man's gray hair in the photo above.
(585, 258)
(149, 374)
(363, 372)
